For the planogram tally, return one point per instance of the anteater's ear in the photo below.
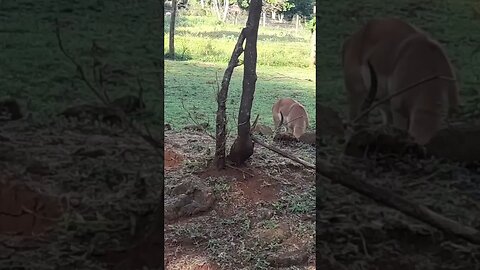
(373, 88)
(281, 120)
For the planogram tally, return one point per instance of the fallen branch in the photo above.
(283, 153)
(420, 212)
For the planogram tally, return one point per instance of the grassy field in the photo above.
(36, 72)
(203, 38)
(199, 94)
(194, 82)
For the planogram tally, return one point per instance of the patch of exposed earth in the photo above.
(257, 216)
(74, 195)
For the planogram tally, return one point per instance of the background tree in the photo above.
(171, 41)
(301, 7)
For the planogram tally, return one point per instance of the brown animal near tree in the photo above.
(401, 55)
(289, 112)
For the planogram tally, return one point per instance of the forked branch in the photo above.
(157, 145)
(77, 65)
(221, 120)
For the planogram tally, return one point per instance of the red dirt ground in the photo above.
(248, 190)
(24, 212)
(173, 160)
(250, 182)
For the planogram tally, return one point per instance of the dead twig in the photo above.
(239, 169)
(364, 113)
(254, 123)
(195, 121)
(79, 67)
(157, 145)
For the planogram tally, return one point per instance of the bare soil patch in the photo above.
(172, 159)
(262, 215)
(250, 184)
(77, 196)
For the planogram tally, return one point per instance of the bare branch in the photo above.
(364, 113)
(79, 67)
(221, 119)
(158, 146)
(195, 121)
(420, 212)
(254, 123)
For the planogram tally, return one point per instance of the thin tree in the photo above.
(314, 38)
(225, 10)
(216, 9)
(171, 41)
(242, 147)
(221, 121)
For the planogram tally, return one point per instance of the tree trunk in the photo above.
(242, 148)
(202, 3)
(264, 20)
(313, 54)
(225, 10)
(297, 22)
(171, 43)
(220, 135)
(216, 9)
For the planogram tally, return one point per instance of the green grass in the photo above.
(283, 71)
(194, 83)
(451, 22)
(204, 39)
(36, 72)
(302, 203)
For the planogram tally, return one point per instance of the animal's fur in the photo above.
(400, 55)
(289, 112)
